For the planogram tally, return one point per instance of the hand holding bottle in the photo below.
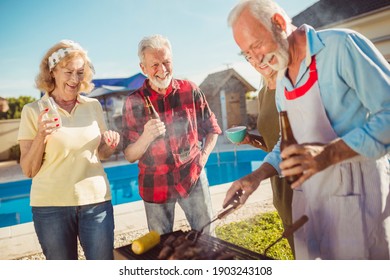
(300, 161)
(287, 139)
(155, 125)
(154, 129)
(51, 118)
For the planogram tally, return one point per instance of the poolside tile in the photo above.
(5, 232)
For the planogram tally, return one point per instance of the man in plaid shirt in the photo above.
(169, 150)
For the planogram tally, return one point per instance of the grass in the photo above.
(256, 234)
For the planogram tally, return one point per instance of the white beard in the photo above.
(282, 54)
(161, 83)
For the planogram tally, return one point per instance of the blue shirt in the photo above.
(354, 82)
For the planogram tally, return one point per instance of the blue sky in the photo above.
(111, 29)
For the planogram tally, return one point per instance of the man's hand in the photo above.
(247, 185)
(153, 129)
(301, 159)
(312, 158)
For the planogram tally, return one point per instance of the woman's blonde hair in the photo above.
(45, 81)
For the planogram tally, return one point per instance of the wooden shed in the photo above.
(225, 92)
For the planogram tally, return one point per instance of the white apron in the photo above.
(348, 204)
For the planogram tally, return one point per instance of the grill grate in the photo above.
(206, 242)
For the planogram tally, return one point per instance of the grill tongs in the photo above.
(288, 232)
(234, 204)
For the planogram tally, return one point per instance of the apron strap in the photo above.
(313, 77)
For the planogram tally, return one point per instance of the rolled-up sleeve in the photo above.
(132, 120)
(273, 158)
(207, 121)
(368, 73)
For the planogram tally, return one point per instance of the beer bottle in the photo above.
(152, 111)
(287, 139)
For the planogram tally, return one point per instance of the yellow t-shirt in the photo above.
(71, 173)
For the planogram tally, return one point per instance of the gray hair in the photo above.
(152, 42)
(263, 10)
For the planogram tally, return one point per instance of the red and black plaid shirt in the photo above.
(170, 166)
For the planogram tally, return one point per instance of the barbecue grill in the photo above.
(207, 243)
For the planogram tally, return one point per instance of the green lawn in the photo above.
(256, 234)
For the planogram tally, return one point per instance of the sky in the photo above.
(202, 42)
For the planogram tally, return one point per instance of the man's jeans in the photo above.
(197, 208)
(58, 228)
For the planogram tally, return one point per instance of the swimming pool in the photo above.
(221, 168)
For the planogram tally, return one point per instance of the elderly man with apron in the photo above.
(342, 200)
(336, 91)
(348, 202)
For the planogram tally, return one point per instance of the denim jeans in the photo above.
(197, 208)
(57, 229)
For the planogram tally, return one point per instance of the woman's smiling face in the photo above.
(68, 78)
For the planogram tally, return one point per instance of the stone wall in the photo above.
(8, 135)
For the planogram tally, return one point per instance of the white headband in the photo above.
(57, 56)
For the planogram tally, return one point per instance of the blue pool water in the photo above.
(221, 168)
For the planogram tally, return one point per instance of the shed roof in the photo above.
(325, 12)
(215, 81)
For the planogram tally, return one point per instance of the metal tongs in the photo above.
(233, 202)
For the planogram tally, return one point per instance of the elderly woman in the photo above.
(268, 127)
(70, 193)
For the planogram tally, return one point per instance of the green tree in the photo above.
(15, 107)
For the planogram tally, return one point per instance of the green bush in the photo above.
(256, 234)
(14, 152)
(15, 106)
